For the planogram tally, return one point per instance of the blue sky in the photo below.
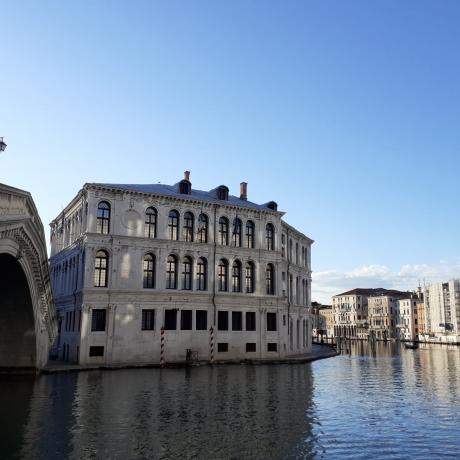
(345, 113)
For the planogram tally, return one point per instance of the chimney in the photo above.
(244, 190)
(187, 175)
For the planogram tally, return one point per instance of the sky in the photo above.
(346, 114)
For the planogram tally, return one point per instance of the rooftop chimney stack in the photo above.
(244, 191)
(187, 175)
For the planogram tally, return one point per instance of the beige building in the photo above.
(384, 314)
(137, 266)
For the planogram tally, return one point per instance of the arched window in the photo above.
(187, 230)
(173, 225)
(103, 218)
(149, 271)
(270, 237)
(236, 236)
(250, 234)
(236, 276)
(101, 267)
(171, 272)
(202, 231)
(201, 274)
(222, 275)
(270, 279)
(150, 227)
(223, 231)
(249, 277)
(297, 253)
(187, 273)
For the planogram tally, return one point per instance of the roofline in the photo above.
(97, 186)
(294, 230)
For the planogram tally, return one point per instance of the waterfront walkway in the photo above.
(318, 352)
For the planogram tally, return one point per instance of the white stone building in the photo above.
(223, 277)
(442, 310)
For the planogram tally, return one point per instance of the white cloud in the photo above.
(331, 282)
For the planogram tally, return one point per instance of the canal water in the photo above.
(376, 402)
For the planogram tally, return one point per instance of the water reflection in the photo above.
(377, 402)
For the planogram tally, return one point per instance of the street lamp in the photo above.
(2, 145)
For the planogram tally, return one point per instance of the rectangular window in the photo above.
(222, 347)
(96, 351)
(171, 320)
(237, 321)
(250, 347)
(98, 320)
(272, 347)
(201, 320)
(148, 320)
(271, 321)
(186, 320)
(222, 321)
(250, 321)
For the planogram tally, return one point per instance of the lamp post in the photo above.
(2, 145)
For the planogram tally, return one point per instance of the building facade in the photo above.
(442, 311)
(408, 325)
(144, 273)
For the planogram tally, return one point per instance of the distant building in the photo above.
(384, 314)
(137, 269)
(322, 320)
(442, 310)
(408, 318)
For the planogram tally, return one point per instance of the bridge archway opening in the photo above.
(17, 325)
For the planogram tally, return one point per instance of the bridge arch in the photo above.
(27, 313)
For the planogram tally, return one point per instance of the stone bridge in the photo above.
(27, 313)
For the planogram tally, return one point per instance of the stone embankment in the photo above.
(318, 352)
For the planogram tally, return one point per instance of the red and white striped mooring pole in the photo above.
(162, 349)
(212, 344)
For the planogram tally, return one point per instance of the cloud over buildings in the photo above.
(331, 282)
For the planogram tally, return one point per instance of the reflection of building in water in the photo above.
(223, 277)
(442, 308)
(242, 412)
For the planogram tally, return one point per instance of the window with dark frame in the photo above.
(201, 320)
(223, 231)
(222, 275)
(249, 277)
(271, 322)
(203, 228)
(187, 229)
(237, 321)
(101, 265)
(149, 271)
(173, 225)
(186, 320)
(272, 346)
(250, 347)
(201, 274)
(250, 234)
(171, 272)
(270, 279)
(170, 320)
(98, 320)
(222, 320)
(150, 227)
(222, 347)
(148, 319)
(250, 321)
(96, 351)
(236, 276)
(103, 218)
(270, 237)
(236, 236)
(187, 274)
